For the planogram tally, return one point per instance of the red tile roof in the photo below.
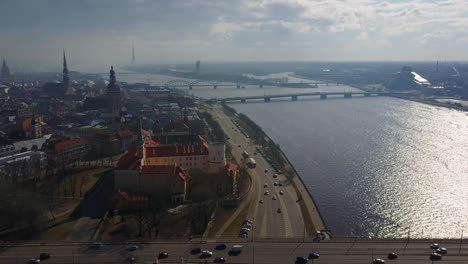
(71, 143)
(176, 150)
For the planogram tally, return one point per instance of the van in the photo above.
(236, 249)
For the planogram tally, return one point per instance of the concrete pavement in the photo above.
(257, 252)
(268, 223)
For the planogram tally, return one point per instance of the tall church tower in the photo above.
(5, 70)
(65, 78)
(35, 128)
(113, 93)
(133, 54)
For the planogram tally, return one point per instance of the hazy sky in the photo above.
(96, 33)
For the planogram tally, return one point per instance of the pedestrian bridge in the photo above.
(294, 97)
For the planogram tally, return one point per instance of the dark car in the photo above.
(43, 256)
(378, 261)
(392, 255)
(441, 251)
(195, 251)
(434, 246)
(220, 260)
(301, 260)
(163, 255)
(435, 256)
(220, 247)
(314, 255)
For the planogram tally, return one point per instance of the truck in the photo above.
(245, 154)
(251, 163)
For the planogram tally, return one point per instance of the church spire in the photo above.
(112, 75)
(5, 70)
(65, 78)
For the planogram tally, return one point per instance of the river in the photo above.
(377, 167)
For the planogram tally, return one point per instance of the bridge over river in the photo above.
(295, 96)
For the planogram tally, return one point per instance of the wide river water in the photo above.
(376, 167)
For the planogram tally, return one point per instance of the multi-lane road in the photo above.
(268, 223)
(256, 252)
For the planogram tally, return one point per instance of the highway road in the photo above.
(256, 252)
(268, 223)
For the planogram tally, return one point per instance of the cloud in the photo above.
(179, 30)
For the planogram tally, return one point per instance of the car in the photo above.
(274, 197)
(132, 248)
(314, 255)
(301, 259)
(245, 229)
(43, 256)
(131, 259)
(244, 236)
(221, 246)
(220, 260)
(378, 261)
(163, 255)
(435, 256)
(195, 251)
(392, 255)
(96, 245)
(441, 251)
(278, 211)
(206, 254)
(280, 184)
(281, 192)
(275, 175)
(34, 260)
(265, 185)
(261, 200)
(266, 170)
(248, 225)
(255, 153)
(267, 193)
(239, 145)
(434, 246)
(275, 184)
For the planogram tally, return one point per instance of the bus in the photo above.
(251, 163)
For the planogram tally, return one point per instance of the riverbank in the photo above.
(312, 218)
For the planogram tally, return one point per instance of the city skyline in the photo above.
(97, 34)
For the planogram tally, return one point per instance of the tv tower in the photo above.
(133, 53)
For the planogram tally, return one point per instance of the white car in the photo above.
(274, 197)
(281, 192)
(34, 260)
(267, 193)
(206, 254)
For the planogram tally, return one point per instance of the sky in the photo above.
(97, 33)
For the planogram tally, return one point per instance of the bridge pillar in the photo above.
(214, 86)
(367, 94)
(190, 87)
(348, 95)
(323, 96)
(261, 86)
(242, 100)
(238, 86)
(294, 98)
(267, 99)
